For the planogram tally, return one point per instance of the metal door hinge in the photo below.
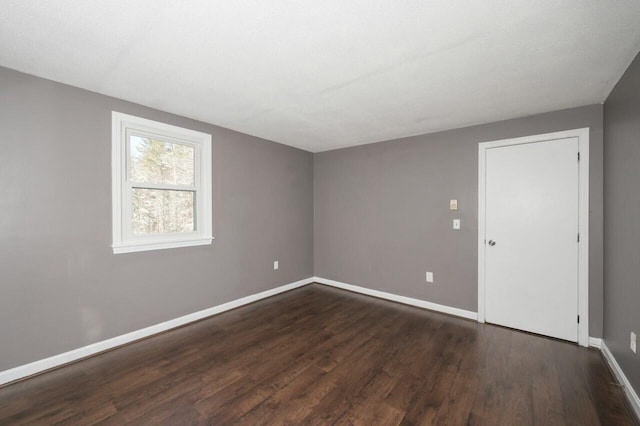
(578, 157)
(578, 237)
(578, 319)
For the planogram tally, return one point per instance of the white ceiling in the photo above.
(321, 75)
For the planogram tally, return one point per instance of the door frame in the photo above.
(583, 220)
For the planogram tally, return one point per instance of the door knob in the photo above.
(492, 243)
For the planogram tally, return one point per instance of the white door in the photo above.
(531, 223)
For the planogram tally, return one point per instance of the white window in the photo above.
(161, 185)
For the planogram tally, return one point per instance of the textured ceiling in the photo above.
(321, 75)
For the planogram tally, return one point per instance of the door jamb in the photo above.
(583, 220)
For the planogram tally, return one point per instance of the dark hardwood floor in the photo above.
(319, 355)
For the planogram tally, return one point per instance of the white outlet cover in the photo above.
(456, 223)
(276, 265)
(429, 277)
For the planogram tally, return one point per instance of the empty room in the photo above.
(330, 212)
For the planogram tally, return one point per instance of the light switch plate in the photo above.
(453, 204)
(456, 223)
(276, 265)
(429, 277)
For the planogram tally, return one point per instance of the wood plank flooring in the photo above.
(318, 355)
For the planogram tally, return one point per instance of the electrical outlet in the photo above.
(456, 223)
(429, 277)
(633, 342)
(276, 265)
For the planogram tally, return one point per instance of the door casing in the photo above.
(583, 220)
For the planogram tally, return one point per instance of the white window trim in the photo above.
(123, 241)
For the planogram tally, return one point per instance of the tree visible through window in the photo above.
(157, 162)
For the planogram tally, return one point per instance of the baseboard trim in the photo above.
(400, 299)
(40, 366)
(595, 342)
(631, 394)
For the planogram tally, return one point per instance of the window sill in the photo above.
(132, 248)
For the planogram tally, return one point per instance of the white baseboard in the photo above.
(631, 394)
(595, 342)
(400, 299)
(36, 367)
(42, 365)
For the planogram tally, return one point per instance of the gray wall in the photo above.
(622, 220)
(382, 210)
(60, 285)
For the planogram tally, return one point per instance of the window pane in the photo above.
(156, 211)
(159, 162)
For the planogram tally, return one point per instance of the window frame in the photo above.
(124, 241)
